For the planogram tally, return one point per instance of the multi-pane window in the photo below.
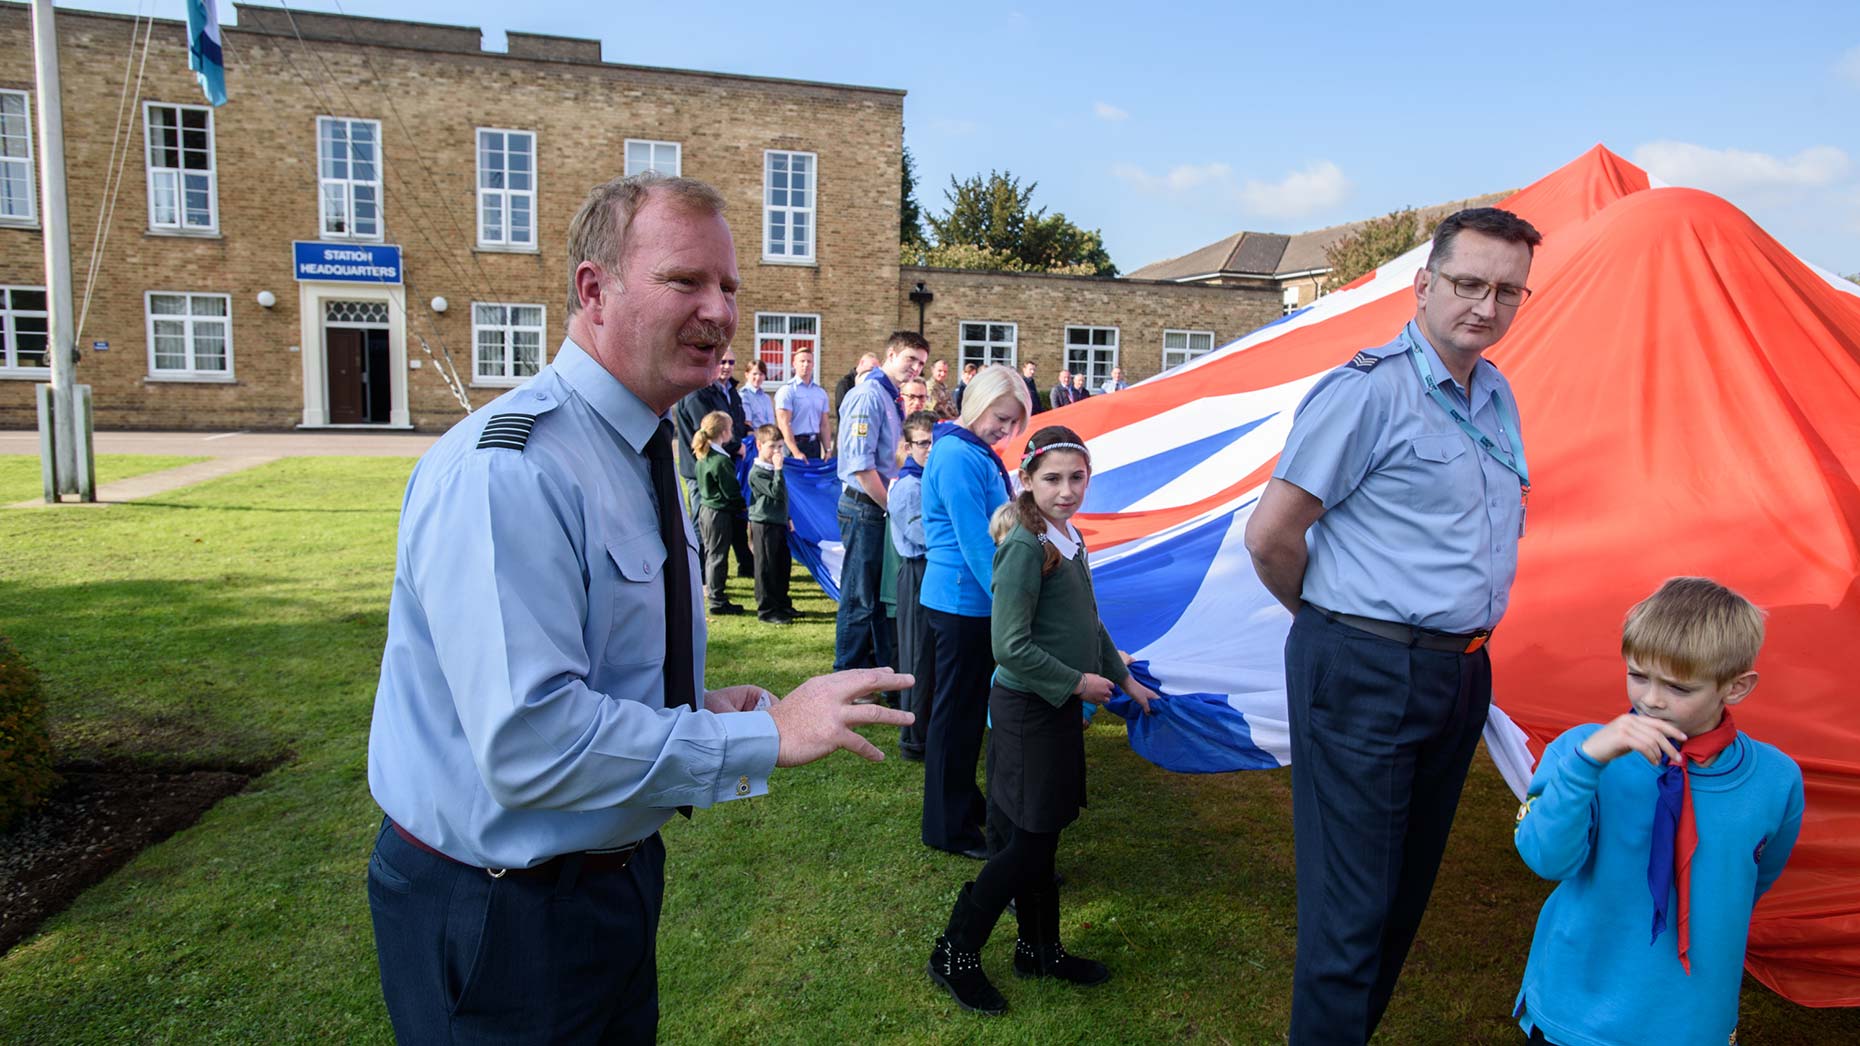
(1290, 300)
(348, 157)
(183, 196)
(1091, 351)
(985, 342)
(18, 181)
(642, 156)
(190, 335)
(506, 188)
(24, 338)
(1181, 346)
(787, 206)
(779, 335)
(507, 342)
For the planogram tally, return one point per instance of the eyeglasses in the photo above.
(1476, 290)
(727, 363)
(916, 442)
(916, 395)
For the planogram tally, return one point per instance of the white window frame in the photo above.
(788, 336)
(508, 329)
(1093, 380)
(9, 342)
(325, 183)
(1288, 301)
(30, 168)
(652, 147)
(977, 350)
(180, 225)
(787, 213)
(1178, 355)
(191, 372)
(505, 242)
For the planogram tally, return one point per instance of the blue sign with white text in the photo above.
(347, 262)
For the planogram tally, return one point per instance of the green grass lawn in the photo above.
(20, 477)
(242, 620)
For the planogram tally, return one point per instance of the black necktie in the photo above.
(679, 688)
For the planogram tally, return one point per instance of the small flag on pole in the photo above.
(203, 48)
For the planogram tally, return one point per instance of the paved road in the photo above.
(242, 444)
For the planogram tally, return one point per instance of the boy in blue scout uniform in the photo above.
(1406, 467)
(870, 425)
(541, 710)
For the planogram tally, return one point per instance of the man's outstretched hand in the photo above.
(817, 719)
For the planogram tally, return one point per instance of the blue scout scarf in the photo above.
(950, 428)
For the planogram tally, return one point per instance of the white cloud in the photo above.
(1848, 67)
(1730, 170)
(1108, 112)
(1320, 185)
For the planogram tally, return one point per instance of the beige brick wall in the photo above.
(582, 113)
(1043, 306)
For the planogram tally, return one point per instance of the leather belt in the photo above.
(1409, 635)
(860, 495)
(591, 860)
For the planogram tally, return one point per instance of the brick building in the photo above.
(382, 203)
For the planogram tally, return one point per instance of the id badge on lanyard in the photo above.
(1507, 422)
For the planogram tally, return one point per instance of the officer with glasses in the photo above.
(1390, 531)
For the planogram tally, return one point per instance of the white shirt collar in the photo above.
(1065, 540)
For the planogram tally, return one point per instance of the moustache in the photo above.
(704, 332)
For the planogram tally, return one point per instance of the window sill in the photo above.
(331, 237)
(22, 224)
(801, 262)
(501, 248)
(25, 373)
(189, 379)
(185, 234)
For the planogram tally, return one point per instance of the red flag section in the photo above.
(1691, 405)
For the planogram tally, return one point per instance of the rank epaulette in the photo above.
(1364, 361)
(507, 432)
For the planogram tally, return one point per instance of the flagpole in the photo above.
(65, 426)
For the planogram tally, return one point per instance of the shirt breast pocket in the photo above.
(638, 634)
(1434, 472)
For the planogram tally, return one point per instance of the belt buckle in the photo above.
(1478, 641)
(497, 873)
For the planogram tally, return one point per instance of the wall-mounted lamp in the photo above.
(439, 304)
(266, 299)
(920, 297)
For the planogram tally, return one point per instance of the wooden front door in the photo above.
(348, 396)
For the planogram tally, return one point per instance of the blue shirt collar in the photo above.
(1481, 389)
(623, 412)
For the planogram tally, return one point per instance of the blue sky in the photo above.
(1168, 126)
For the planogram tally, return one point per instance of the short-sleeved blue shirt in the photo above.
(806, 405)
(521, 710)
(1420, 524)
(871, 423)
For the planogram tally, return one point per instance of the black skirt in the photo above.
(1036, 759)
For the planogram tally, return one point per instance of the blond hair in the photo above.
(1694, 628)
(1003, 522)
(990, 384)
(710, 430)
(598, 232)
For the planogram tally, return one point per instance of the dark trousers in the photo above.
(1022, 868)
(769, 542)
(717, 530)
(466, 958)
(809, 445)
(1382, 735)
(862, 637)
(739, 540)
(963, 656)
(913, 648)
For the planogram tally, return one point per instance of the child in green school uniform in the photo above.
(1053, 654)
(720, 502)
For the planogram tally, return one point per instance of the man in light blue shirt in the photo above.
(871, 423)
(801, 411)
(540, 713)
(1390, 530)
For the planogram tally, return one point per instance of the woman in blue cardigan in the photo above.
(963, 484)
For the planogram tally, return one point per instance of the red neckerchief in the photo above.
(1696, 749)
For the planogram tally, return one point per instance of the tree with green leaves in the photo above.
(991, 223)
(1375, 242)
(910, 212)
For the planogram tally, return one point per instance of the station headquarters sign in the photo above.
(347, 262)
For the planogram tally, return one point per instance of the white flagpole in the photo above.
(67, 429)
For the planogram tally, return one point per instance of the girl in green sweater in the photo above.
(1053, 654)
(720, 501)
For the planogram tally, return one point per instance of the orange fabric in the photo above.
(1690, 395)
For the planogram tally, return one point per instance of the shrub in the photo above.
(25, 750)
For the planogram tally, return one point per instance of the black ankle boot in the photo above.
(1038, 952)
(956, 961)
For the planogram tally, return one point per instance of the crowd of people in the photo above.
(542, 709)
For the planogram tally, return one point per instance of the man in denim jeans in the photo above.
(871, 423)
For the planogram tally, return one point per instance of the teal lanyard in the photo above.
(1507, 422)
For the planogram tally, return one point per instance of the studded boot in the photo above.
(1038, 953)
(956, 961)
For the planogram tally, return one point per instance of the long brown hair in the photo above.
(1024, 506)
